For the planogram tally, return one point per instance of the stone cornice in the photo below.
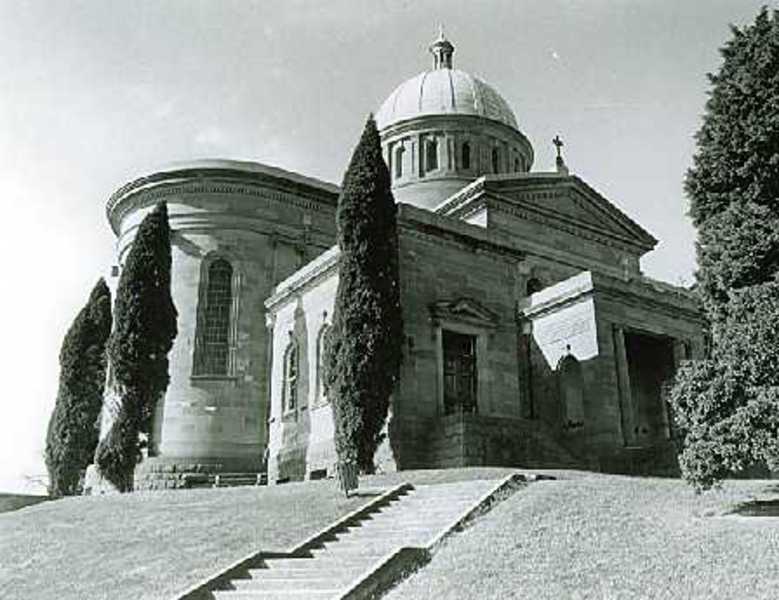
(493, 188)
(640, 292)
(464, 122)
(304, 278)
(569, 183)
(271, 187)
(420, 222)
(554, 220)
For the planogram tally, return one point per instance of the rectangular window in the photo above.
(459, 352)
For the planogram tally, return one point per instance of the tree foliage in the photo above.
(726, 405)
(363, 352)
(144, 330)
(73, 428)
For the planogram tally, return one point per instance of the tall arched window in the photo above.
(495, 160)
(321, 341)
(466, 155)
(399, 161)
(213, 348)
(431, 154)
(291, 375)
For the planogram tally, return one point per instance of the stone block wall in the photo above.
(266, 224)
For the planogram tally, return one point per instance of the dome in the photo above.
(444, 92)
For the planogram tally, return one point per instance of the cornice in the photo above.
(304, 278)
(422, 223)
(138, 195)
(561, 222)
(635, 292)
(475, 123)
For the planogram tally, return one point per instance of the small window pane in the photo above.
(431, 155)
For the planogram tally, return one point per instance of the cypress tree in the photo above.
(363, 352)
(144, 330)
(73, 428)
(726, 406)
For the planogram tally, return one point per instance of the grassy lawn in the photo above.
(610, 537)
(10, 502)
(150, 545)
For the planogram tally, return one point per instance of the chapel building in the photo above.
(531, 336)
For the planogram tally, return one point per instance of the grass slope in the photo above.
(150, 545)
(609, 537)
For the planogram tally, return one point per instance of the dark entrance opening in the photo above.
(651, 369)
(459, 372)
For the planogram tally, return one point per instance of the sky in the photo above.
(93, 94)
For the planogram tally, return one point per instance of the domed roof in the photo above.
(444, 91)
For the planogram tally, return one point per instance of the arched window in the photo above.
(571, 391)
(213, 348)
(517, 165)
(431, 154)
(291, 374)
(466, 155)
(495, 162)
(321, 342)
(534, 285)
(399, 161)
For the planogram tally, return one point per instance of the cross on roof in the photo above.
(559, 145)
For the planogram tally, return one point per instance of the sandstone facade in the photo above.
(531, 336)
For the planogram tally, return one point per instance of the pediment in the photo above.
(573, 203)
(464, 310)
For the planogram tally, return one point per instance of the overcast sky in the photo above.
(95, 93)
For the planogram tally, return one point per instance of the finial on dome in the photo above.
(442, 50)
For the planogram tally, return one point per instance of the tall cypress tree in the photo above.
(727, 406)
(73, 429)
(364, 348)
(144, 330)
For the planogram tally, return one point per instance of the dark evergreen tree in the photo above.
(73, 429)
(144, 330)
(363, 352)
(726, 405)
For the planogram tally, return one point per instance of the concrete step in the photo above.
(386, 533)
(412, 520)
(324, 561)
(376, 546)
(311, 594)
(291, 584)
(347, 555)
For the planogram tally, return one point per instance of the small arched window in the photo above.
(291, 377)
(495, 160)
(571, 391)
(321, 343)
(399, 161)
(431, 154)
(466, 155)
(213, 349)
(517, 165)
(534, 285)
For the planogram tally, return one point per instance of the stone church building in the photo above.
(531, 336)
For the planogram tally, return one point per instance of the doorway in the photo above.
(650, 368)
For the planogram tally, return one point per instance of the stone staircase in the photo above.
(365, 553)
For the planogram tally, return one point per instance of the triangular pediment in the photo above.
(555, 200)
(463, 309)
(574, 203)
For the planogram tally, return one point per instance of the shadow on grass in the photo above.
(758, 508)
(9, 502)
